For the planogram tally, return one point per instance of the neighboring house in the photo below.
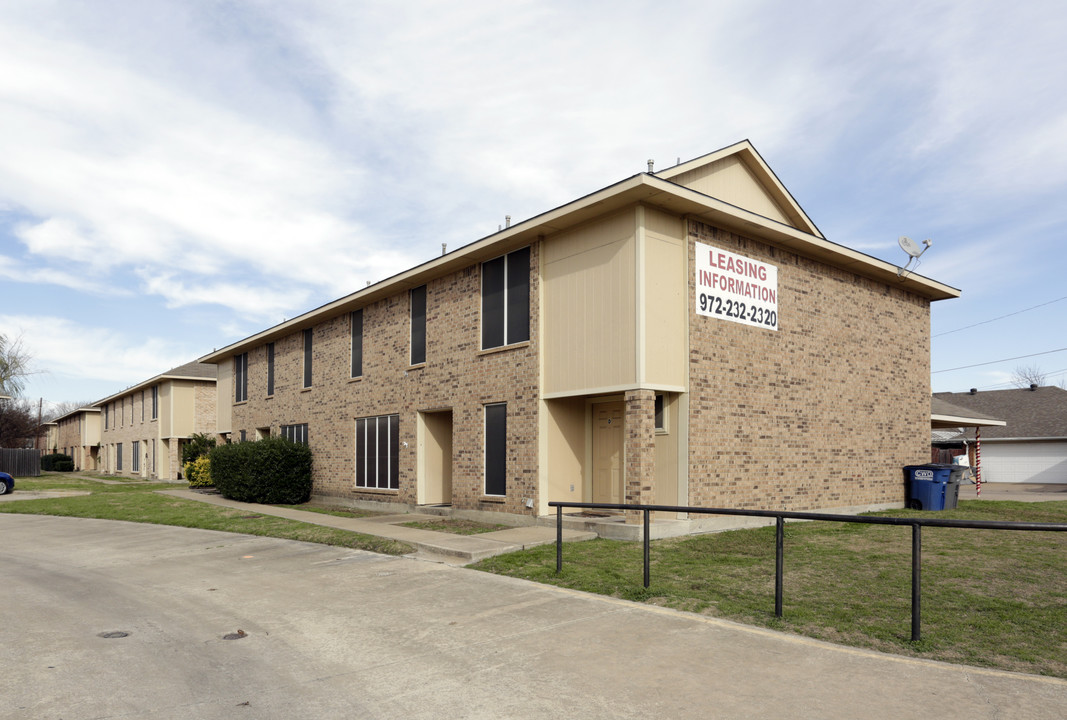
(143, 426)
(1031, 446)
(687, 337)
(78, 435)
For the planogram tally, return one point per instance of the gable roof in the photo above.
(944, 414)
(1029, 414)
(659, 190)
(739, 175)
(79, 411)
(189, 371)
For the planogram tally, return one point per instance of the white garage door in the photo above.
(1024, 462)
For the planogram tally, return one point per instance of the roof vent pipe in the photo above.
(1033, 387)
(507, 221)
(974, 391)
(444, 248)
(650, 164)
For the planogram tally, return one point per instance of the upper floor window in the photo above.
(418, 325)
(357, 343)
(107, 418)
(142, 406)
(240, 377)
(270, 369)
(155, 403)
(307, 357)
(506, 299)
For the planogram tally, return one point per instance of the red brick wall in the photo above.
(456, 375)
(822, 413)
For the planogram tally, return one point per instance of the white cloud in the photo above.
(66, 349)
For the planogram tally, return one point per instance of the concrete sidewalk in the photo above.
(430, 545)
(328, 632)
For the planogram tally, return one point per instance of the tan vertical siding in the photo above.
(730, 180)
(590, 306)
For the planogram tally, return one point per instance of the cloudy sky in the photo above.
(179, 174)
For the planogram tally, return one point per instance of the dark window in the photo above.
(155, 405)
(378, 452)
(418, 325)
(506, 299)
(296, 433)
(270, 368)
(307, 357)
(242, 436)
(240, 377)
(107, 418)
(496, 439)
(659, 412)
(153, 456)
(357, 343)
(118, 457)
(135, 460)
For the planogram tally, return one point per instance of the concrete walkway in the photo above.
(325, 632)
(439, 546)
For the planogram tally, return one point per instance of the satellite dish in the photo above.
(913, 249)
(909, 246)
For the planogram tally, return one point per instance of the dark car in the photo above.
(7, 483)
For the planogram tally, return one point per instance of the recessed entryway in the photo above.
(434, 438)
(608, 447)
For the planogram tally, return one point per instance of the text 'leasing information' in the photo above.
(732, 287)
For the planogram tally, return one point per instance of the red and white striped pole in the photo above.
(978, 460)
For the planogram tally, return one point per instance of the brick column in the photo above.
(640, 451)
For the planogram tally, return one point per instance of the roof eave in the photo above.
(950, 421)
(642, 188)
(150, 382)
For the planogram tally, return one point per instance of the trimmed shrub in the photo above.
(198, 472)
(63, 465)
(198, 445)
(271, 471)
(48, 462)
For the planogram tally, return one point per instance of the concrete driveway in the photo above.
(334, 633)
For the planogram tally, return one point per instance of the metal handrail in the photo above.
(780, 516)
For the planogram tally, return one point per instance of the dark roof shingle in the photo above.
(1037, 413)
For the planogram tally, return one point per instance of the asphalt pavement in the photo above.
(106, 619)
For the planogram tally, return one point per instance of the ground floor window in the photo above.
(496, 440)
(135, 461)
(378, 452)
(118, 457)
(296, 433)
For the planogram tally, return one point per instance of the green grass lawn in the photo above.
(137, 501)
(990, 598)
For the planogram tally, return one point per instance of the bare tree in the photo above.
(14, 366)
(1024, 377)
(60, 409)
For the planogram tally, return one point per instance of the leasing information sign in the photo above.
(732, 287)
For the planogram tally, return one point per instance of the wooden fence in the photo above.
(20, 463)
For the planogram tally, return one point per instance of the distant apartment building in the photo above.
(144, 426)
(77, 434)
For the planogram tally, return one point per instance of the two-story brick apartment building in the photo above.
(78, 435)
(682, 337)
(144, 425)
